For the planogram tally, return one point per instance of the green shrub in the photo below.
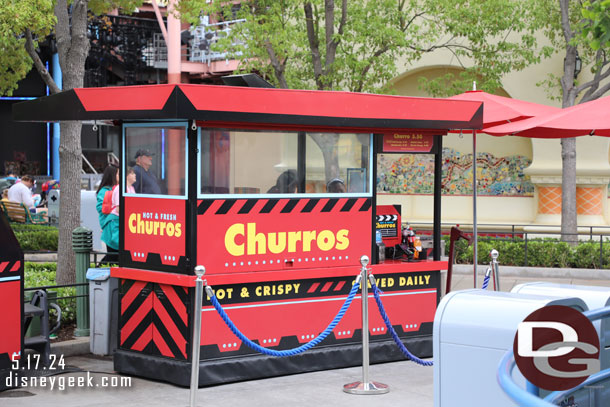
(36, 237)
(540, 253)
(43, 274)
(512, 253)
(587, 255)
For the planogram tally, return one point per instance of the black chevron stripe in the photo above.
(173, 314)
(310, 205)
(184, 296)
(137, 333)
(167, 337)
(151, 349)
(136, 304)
(365, 206)
(348, 205)
(126, 285)
(225, 207)
(269, 206)
(204, 206)
(290, 205)
(248, 205)
(330, 205)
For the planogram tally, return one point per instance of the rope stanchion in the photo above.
(289, 352)
(366, 386)
(486, 279)
(495, 268)
(391, 330)
(199, 271)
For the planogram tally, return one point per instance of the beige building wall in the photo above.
(593, 159)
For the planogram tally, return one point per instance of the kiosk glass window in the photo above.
(158, 156)
(283, 162)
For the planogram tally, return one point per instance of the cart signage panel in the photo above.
(274, 234)
(408, 143)
(388, 224)
(155, 226)
(305, 306)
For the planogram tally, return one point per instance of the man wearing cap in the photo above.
(146, 181)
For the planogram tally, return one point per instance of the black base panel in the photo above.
(233, 369)
(4, 374)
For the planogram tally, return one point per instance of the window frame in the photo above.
(160, 124)
(200, 195)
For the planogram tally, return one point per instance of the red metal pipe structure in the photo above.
(456, 234)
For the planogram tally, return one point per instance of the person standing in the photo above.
(108, 222)
(130, 179)
(146, 181)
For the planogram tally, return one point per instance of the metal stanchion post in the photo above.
(199, 271)
(365, 386)
(494, 265)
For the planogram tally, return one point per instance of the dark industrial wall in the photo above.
(24, 143)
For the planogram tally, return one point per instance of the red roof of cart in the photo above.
(217, 105)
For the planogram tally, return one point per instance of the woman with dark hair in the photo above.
(108, 222)
(287, 183)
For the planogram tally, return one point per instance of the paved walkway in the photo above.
(409, 383)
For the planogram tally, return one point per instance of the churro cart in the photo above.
(243, 181)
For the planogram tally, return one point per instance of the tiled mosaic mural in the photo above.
(414, 174)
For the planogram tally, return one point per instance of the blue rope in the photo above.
(485, 282)
(289, 352)
(391, 330)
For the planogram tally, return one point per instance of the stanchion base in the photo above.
(366, 388)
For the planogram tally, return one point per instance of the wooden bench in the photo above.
(17, 212)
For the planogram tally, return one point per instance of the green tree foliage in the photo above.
(23, 23)
(575, 29)
(488, 39)
(596, 23)
(15, 17)
(355, 45)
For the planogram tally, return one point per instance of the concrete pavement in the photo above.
(410, 384)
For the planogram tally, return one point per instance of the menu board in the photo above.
(408, 143)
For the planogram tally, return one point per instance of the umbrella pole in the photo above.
(474, 200)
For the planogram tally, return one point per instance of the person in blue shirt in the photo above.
(146, 181)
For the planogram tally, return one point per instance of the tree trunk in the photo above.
(69, 205)
(328, 145)
(73, 48)
(569, 225)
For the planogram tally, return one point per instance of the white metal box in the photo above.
(473, 330)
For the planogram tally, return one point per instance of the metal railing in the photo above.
(200, 45)
(512, 230)
(52, 287)
(519, 233)
(204, 38)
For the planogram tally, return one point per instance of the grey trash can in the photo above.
(103, 311)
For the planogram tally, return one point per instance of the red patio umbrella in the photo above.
(497, 110)
(590, 118)
(500, 110)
